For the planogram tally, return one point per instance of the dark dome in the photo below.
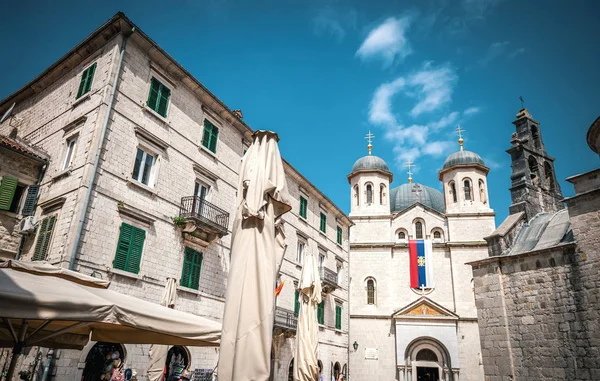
(370, 162)
(402, 197)
(463, 157)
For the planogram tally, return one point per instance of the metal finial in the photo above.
(460, 138)
(522, 102)
(409, 164)
(369, 137)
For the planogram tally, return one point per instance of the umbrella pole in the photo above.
(17, 351)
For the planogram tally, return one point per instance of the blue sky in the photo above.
(324, 73)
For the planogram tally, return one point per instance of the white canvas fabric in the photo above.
(257, 250)
(306, 367)
(55, 302)
(157, 354)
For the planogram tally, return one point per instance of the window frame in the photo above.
(340, 235)
(453, 192)
(369, 193)
(321, 312)
(135, 232)
(85, 82)
(303, 207)
(323, 223)
(468, 186)
(371, 299)
(159, 95)
(211, 135)
(338, 317)
(191, 282)
(44, 242)
(71, 148)
(151, 176)
(419, 228)
(300, 254)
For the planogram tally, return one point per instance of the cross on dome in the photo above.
(460, 138)
(409, 164)
(369, 138)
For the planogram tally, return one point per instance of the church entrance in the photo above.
(427, 374)
(101, 360)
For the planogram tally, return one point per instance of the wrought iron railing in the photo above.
(328, 276)
(196, 207)
(285, 319)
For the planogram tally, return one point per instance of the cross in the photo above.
(417, 190)
(369, 137)
(422, 288)
(460, 131)
(522, 102)
(409, 164)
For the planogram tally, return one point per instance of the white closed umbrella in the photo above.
(157, 354)
(257, 249)
(306, 367)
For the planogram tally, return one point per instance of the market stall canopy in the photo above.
(53, 307)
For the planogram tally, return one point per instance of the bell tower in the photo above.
(534, 186)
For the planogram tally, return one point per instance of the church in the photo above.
(412, 310)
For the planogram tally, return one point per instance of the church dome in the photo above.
(370, 162)
(403, 197)
(463, 157)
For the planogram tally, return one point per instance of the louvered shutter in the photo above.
(206, 135)
(338, 317)
(90, 77)
(321, 312)
(135, 251)
(44, 237)
(120, 261)
(214, 138)
(29, 205)
(186, 271)
(196, 268)
(81, 89)
(7, 192)
(296, 303)
(163, 100)
(153, 95)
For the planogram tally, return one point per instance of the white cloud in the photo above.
(479, 8)
(380, 112)
(494, 51)
(387, 41)
(471, 111)
(445, 121)
(332, 22)
(435, 87)
(438, 148)
(490, 163)
(516, 53)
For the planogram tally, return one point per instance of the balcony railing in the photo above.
(329, 278)
(285, 320)
(209, 215)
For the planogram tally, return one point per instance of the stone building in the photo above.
(139, 182)
(416, 332)
(537, 293)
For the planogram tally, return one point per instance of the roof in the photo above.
(370, 162)
(507, 225)
(544, 231)
(21, 147)
(462, 157)
(593, 136)
(404, 196)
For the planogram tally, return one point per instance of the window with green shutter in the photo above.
(339, 235)
(86, 80)
(210, 136)
(338, 317)
(323, 222)
(129, 249)
(8, 186)
(296, 303)
(30, 200)
(44, 237)
(321, 312)
(192, 264)
(303, 205)
(158, 98)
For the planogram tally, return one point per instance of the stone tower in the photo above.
(534, 186)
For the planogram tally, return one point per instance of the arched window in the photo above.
(401, 235)
(370, 291)
(357, 195)
(453, 191)
(533, 170)
(419, 230)
(549, 176)
(482, 192)
(427, 355)
(381, 193)
(291, 371)
(467, 185)
(437, 234)
(535, 134)
(369, 194)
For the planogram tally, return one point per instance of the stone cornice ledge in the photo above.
(478, 214)
(372, 244)
(137, 214)
(52, 204)
(507, 258)
(147, 135)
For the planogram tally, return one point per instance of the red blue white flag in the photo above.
(421, 263)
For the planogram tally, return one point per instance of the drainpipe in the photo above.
(22, 239)
(88, 195)
(49, 358)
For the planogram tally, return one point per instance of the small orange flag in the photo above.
(278, 289)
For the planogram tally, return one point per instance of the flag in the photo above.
(421, 263)
(278, 289)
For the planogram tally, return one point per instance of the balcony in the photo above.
(204, 222)
(285, 322)
(328, 279)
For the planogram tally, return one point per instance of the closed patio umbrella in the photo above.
(51, 307)
(257, 250)
(306, 367)
(157, 354)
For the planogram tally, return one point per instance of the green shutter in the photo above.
(303, 205)
(153, 94)
(129, 248)
(7, 192)
(86, 80)
(323, 223)
(30, 200)
(192, 265)
(44, 237)
(338, 317)
(163, 101)
(296, 303)
(210, 136)
(321, 312)
(339, 235)
(206, 134)
(213, 141)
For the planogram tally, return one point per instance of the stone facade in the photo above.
(394, 325)
(49, 115)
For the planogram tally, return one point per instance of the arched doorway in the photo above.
(427, 360)
(337, 370)
(178, 358)
(99, 360)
